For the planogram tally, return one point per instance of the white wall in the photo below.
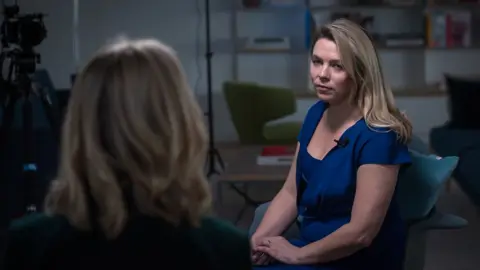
(180, 23)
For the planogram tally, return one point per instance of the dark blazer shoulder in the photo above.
(37, 221)
(30, 237)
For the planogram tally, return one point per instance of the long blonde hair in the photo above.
(132, 121)
(360, 59)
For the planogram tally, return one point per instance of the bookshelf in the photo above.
(418, 12)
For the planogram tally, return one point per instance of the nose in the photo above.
(324, 74)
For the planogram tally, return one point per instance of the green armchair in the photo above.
(253, 106)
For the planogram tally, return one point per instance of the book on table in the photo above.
(276, 155)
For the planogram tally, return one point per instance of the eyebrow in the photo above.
(316, 57)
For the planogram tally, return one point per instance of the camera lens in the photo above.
(32, 32)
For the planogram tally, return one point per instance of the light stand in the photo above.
(213, 156)
(76, 41)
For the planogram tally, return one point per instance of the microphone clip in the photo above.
(342, 143)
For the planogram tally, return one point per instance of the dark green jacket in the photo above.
(42, 242)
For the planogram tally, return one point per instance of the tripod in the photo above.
(22, 88)
(213, 156)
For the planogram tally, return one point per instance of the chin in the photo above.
(330, 99)
(325, 97)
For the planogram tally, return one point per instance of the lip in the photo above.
(323, 87)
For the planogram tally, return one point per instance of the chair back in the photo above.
(251, 106)
(418, 145)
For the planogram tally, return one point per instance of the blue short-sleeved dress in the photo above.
(326, 191)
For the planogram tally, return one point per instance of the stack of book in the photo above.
(449, 29)
(276, 156)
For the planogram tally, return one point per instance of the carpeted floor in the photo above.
(447, 250)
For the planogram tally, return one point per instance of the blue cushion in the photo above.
(420, 184)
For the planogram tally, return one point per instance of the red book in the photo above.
(276, 155)
(279, 150)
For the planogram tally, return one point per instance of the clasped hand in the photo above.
(277, 248)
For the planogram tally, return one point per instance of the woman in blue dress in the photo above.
(342, 182)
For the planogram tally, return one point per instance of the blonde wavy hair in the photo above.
(360, 60)
(132, 121)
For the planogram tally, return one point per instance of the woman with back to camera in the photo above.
(131, 191)
(342, 181)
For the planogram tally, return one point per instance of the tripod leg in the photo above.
(29, 165)
(214, 159)
(211, 163)
(5, 206)
(7, 121)
(219, 159)
(51, 115)
(241, 213)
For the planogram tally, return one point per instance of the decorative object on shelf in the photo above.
(268, 43)
(310, 28)
(449, 29)
(401, 41)
(251, 3)
(401, 2)
(283, 3)
(365, 21)
(336, 3)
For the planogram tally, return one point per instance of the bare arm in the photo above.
(282, 210)
(375, 188)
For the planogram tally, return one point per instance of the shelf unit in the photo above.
(421, 7)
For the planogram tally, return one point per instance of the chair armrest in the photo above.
(467, 149)
(257, 217)
(440, 221)
(446, 141)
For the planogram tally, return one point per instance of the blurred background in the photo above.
(260, 91)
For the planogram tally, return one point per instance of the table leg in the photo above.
(241, 213)
(216, 188)
(247, 202)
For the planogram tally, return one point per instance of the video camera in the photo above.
(19, 35)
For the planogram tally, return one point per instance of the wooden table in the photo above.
(241, 168)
